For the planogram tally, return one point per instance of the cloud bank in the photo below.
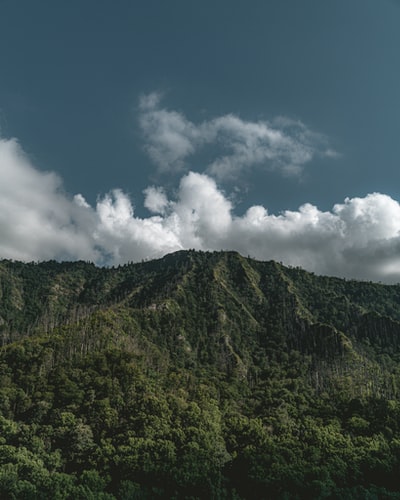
(284, 145)
(358, 238)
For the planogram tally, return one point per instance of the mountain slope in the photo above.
(205, 375)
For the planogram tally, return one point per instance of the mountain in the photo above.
(198, 375)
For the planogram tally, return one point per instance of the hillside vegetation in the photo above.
(199, 375)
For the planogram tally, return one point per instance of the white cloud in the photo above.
(170, 137)
(155, 200)
(124, 237)
(37, 220)
(358, 238)
(283, 144)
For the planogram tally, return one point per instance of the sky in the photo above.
(131, 129)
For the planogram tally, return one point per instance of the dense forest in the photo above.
(199, 375)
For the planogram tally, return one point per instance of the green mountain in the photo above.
(199, 375)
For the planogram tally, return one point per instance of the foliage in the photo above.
(199, 375)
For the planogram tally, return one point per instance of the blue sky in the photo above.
(130, 129)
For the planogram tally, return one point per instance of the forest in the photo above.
(201, 375)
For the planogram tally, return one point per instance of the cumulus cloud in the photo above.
(37, 220)
(124, 237)
(156, 200)
(283, 144)
(359, 238)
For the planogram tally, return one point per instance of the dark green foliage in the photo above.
(199, 375)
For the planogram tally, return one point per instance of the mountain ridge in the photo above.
(52, 293)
